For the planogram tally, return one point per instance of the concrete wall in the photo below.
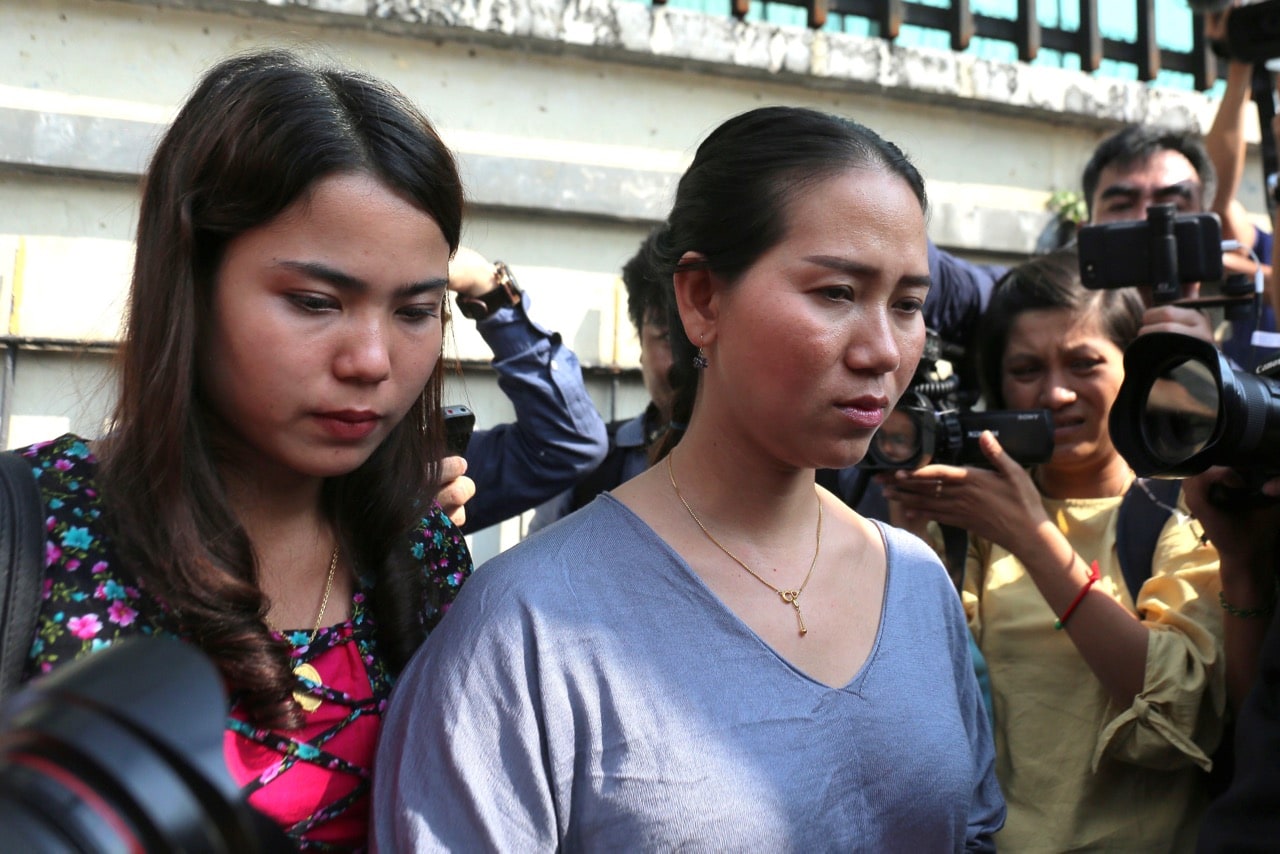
(572, 121)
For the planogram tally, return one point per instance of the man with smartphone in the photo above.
(558, 435)
(1130, 171)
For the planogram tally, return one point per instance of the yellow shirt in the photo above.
(1078, 772)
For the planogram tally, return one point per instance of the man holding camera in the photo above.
(1247, 816)
(1134, 170)
(630, 440)
(1130, 171)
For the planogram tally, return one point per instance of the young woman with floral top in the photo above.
(264, 491)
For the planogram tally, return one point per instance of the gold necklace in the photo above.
(789, 597)
(306, 670)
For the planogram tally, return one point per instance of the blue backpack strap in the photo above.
(1137, 530)
(1144, 510)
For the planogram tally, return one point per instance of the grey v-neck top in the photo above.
(588, 692)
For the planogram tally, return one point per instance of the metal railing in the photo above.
(1025, 32)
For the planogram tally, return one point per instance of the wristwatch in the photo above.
(506, 293)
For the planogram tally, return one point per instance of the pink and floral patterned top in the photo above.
(313, 781)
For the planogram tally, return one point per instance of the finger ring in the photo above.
(937, 489)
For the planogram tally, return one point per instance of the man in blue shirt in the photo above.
(648, 301)
(1134, 168)
(558, 436)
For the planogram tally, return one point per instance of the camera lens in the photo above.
(1181, 412)
(1183, 408)
(123, 751)
(897, 442)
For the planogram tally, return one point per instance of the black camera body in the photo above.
(1253, 31)
(934, 422)
(123, 751)
(917, 434)
(1164, 251)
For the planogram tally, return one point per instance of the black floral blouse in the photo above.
(90, 601)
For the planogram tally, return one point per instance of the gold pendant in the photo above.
(791, 597)
(307, 701)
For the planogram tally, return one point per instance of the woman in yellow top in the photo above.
(1106, 709)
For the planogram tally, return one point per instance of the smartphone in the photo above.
(1125, 254)
(459, 421)
(1253, 32)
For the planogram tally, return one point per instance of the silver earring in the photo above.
(700, 359)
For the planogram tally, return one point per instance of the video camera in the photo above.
(123, 751)
(1253, 29)
(934, 423)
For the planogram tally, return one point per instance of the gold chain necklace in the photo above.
(789, 597)
(305, 670)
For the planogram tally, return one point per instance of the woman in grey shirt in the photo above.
(718, 654)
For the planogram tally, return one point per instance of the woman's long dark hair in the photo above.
(732, 206)
(1047, 282)
(254, 137)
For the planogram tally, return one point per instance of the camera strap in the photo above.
(1144, 510)
(21, 559)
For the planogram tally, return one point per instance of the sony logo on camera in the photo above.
(916, 435)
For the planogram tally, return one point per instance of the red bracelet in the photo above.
(1094, 575)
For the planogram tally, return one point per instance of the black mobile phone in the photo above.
(459, 421)
(1144, 252)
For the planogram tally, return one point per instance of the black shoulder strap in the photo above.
(607, 475)
(21, 550)
(1144, 510)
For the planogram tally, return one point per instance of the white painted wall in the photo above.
(572, 118)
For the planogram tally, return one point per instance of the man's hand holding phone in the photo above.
(456, 489)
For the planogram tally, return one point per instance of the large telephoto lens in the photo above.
(1183, 408)
(1181, 412)
(123, 751)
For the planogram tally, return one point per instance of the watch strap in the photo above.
(506, 293)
